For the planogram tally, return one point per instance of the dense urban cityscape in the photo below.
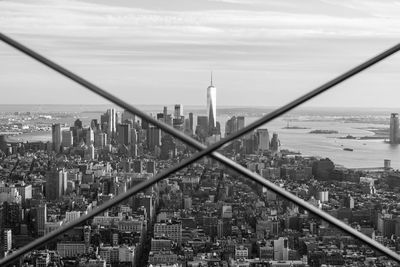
(204, 215)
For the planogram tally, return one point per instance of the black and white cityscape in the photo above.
(207, 69)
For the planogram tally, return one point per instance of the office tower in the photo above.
(153, 137)
(78, 124)
(104, 122)
(231, 126)
(111, 123)
(88, 136)
(165, 112)
(56, 184)
(11, 216)
(94, 125)
(178, 123)
(41, 219)
(168, 119)
(212, 105)
(202, 126)
(160, 117)
(186, 127)
(240, 123)
(127, 116)
(100, 139)
(124, 134)
(275, 143)
(6, 242)
(394, 129)
(191, 121)
(178, 111)
(67, 138)
(134, 137)
(263, 139)
(56, 137)
(281, 249)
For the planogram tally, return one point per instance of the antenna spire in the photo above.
(211, 79)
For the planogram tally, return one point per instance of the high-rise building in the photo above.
(67, 138)
(111, 123)
(127, 116)
(88, 136)
(11, 216)
(178, 123)
(78, 124)
(124, 134)
(212, 105)
(56, 184)
(6, 242)
(281, 249)
(191, 121)
(94, 125)
(202, 126)
(153, 137)
(41, 219)
(100, 139)
(275, 143)
(56, 137)
(240, 122)
(263, 139)
(165, 114)
(178, 111)
(231, 126)
(394, 129)
(134, 137)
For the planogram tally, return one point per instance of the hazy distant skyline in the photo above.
(262, 52)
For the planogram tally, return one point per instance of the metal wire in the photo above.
(203, 151)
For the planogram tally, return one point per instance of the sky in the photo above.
(261, 52)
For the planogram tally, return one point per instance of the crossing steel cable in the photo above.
(203, 151)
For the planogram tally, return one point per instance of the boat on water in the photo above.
(348, 149)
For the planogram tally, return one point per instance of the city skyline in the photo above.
(275, 51)
(104, 186)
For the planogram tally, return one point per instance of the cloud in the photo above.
(87, 20)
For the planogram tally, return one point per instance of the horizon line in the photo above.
(202, 106)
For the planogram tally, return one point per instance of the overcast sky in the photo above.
(262, 52)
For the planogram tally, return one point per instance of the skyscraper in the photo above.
(56, 137)
(394, 128)
(127, 116)
(231, 126)
(112, 122)
(67, 138)
(191, 121)
(275, 143)
(240, 122)
(212, 106)
(165, 114)
(56, 184)
(153, 137)
(124, 134)
(178, 111)
(6, 242)
(263, 139)
(41, 219)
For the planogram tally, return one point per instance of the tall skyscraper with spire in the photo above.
(212, 106)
